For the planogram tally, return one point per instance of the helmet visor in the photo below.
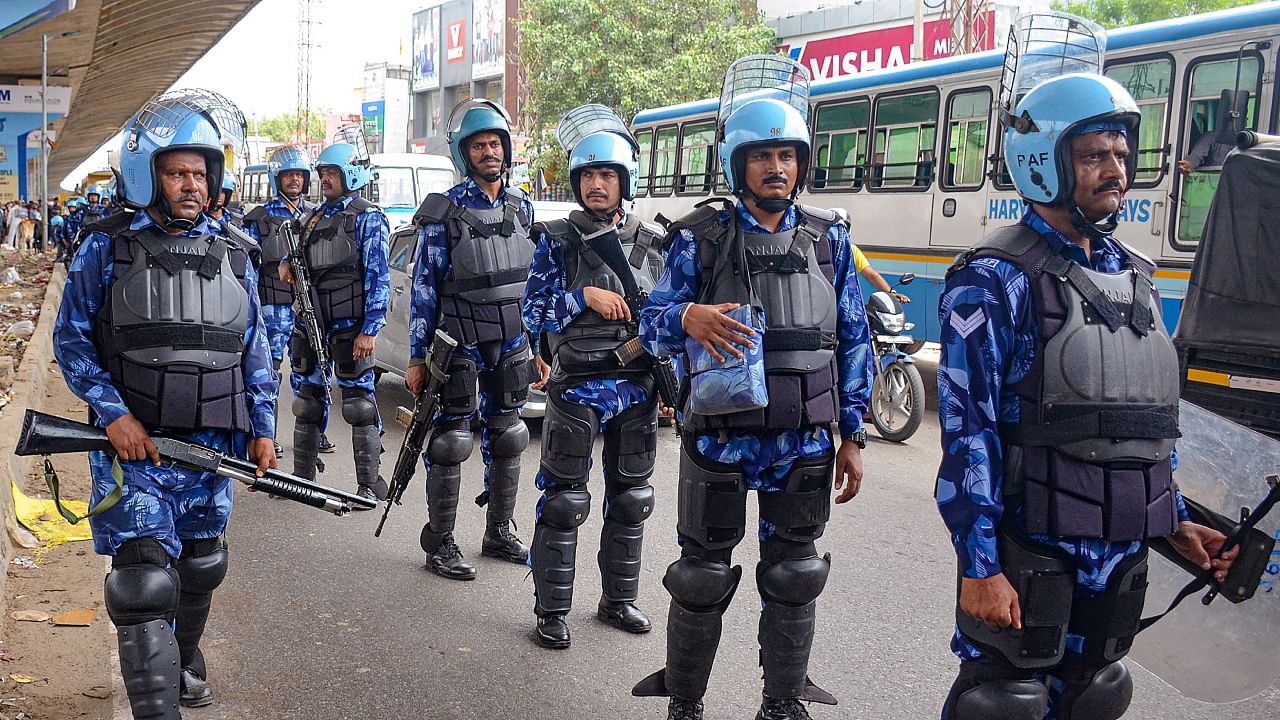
(757, 77)
(354, 136)
(460, 111)
(586, 120)
(1047, 45)
(225, 114)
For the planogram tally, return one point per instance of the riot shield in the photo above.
(1228, 650)
(590, 119)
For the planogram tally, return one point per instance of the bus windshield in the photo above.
(394, 187)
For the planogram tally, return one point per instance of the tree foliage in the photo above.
(283, 128)
(627, 54)
(1122, 13)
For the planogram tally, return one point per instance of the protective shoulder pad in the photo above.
(514, 193)
(360, 205)
(1017, 244)
(558, 230)
(435, 208)
(256, 214)
(819, 218)
(1145, 265)
(652, 228)
(703, 221)
(110, 225)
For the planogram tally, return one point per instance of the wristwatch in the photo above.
(859, 437)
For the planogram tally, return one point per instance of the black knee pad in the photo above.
(508, 435)
(568, 434)
(203, 565)
(632, 506)
(358, 408)
(1002, 700)
(141, 586)
(450, 444)
(567, 509)
(1103, 695)
(308, 404)
(794, 575)
(700, 585)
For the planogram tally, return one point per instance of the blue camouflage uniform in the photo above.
(71, 228)
(433, 264)
(767, 457)
(278, 318)
(371, 235)
(549, 307)
(168, 504)
(988, 346)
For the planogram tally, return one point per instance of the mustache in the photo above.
(490, 158)
(190, 197)
(775, 178)
(1109, 186)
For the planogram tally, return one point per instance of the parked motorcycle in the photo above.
(897, 393)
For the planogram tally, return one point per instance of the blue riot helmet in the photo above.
(477, 116)
(594, 136)
(164, 125)
(285, 159)
(765, 101)
(1037, 145)
(354, 169)
(91, 191)
(229, 187)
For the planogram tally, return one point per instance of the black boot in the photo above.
(202, 568)
(679, 709)
(325, 446)
(196, 690)
(149, 668)
(553, 631)
(500, 504)
(619, 560)
(501, 543)
(446, 559)
(786, 709)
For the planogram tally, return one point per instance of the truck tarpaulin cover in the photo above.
(1233, 299)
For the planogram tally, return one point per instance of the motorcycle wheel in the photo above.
(897, 401)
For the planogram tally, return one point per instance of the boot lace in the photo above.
(684, 710)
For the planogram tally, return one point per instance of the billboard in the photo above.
(860, 52)
(19, 125)
(456, 42)
(426, 50)
(18, 15)
(373, 118)
(488, 53)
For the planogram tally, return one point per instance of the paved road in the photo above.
(319, 620)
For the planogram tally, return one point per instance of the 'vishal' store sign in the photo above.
(859, 52)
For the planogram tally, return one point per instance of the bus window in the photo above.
(695, 158)
(1205, 113)
(906, 126)
(394, 188)
(968, 114)
(432, 180)
(645, 139)
(840, 145)
(664, 161)
(1151, 85)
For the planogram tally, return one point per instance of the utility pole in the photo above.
(44, 134)
(306, 10)
(917, 37)
(970, 31)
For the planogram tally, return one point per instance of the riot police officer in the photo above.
(95, 209)
(1057, 454)
(344, 242)
(575, 303)
(761, 253)
(200, 372)
(220, 208)
(471, 267)
(289, 176)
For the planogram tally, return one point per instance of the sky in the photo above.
(255, 64)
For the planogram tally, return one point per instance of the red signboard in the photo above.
(455, 47)
(859, 52)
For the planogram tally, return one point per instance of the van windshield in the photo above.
(394, 188)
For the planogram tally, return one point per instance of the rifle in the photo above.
(419, 421)
(46, 435)
(607, 245)
(304, 294)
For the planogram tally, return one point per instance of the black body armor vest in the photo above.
(489, 253)
(1090, 455)
(333, 257)
(271, 289)
(171, 333)
(586, 347)
(789, 275)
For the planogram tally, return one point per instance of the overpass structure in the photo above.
(116, 55)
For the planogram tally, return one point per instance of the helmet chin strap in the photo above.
(769, 205)
(168, 220)
(1092, 230)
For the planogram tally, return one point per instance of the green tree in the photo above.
(627, 54)
(1122, 13)
(282, 128)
